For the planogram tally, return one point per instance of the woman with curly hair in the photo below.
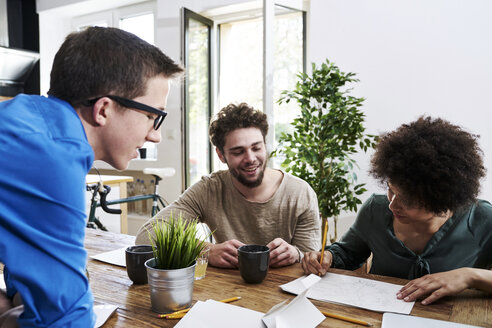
(430, 227)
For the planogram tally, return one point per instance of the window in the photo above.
(136, 19)
(141, 25)
(241, 65)
(103, 19)
(288, 62)
(241, 72)
(197, 96)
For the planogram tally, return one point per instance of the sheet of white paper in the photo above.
(213, 314)
(310, 318)
(300, 284)
(2, 282)
(310, 280)
(116, 257)
(103, 312)
(269, 318)
(391, 320)
(359, 292)
(287, 315)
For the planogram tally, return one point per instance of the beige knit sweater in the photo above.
(291, 214)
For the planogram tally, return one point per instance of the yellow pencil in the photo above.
(174, 313)
(175, 316)
(323, 243)
(341, 317)
(179, 314)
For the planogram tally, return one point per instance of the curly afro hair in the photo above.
(436, 165)
(234, 117)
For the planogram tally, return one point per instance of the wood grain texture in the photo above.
(110, 284)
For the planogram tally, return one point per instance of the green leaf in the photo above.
(329, 129)
(174, 242)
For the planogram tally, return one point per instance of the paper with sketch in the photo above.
(300, 284)
(359, 292)
(287, 315)
(213, 314)
(391, 320)
(103, 312)
(116, 257)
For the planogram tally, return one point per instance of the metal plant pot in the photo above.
(170, 290)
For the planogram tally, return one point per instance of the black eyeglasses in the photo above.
(136, 105)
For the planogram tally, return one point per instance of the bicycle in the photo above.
(100, 192)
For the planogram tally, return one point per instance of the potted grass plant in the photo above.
(172, 269)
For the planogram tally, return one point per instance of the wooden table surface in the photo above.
(110, 284)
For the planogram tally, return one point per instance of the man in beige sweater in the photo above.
(249, 203)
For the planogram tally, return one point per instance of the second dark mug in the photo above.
(253, 262)
(135, 259)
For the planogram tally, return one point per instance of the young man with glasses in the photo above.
(107, 97)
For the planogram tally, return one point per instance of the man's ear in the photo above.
(221, 156)
(101, 111)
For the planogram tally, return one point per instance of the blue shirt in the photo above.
(464, 240)
(44, 158)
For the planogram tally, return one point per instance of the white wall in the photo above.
(413, 57)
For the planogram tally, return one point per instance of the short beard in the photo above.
(247, 183)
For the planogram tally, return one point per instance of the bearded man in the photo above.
(249, 203)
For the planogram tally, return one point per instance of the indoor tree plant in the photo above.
(327, 132)
(171, 272)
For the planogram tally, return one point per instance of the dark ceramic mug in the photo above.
(135, 260)
(253, 262)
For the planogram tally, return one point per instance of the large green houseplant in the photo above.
(172, 270)
(328, 131)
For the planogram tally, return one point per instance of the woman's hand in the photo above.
(310, 262)
(434, 286)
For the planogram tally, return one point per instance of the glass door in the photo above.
(197, 96)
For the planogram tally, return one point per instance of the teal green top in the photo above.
(465, 240)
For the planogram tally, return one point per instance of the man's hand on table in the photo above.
(282, 253)
(224, 255)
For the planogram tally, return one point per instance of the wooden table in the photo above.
(120, 182)
(110, 284)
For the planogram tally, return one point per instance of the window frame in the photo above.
(216, 17)
(186, 15)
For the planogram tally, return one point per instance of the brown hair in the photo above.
(234, 117)
(102, 60)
